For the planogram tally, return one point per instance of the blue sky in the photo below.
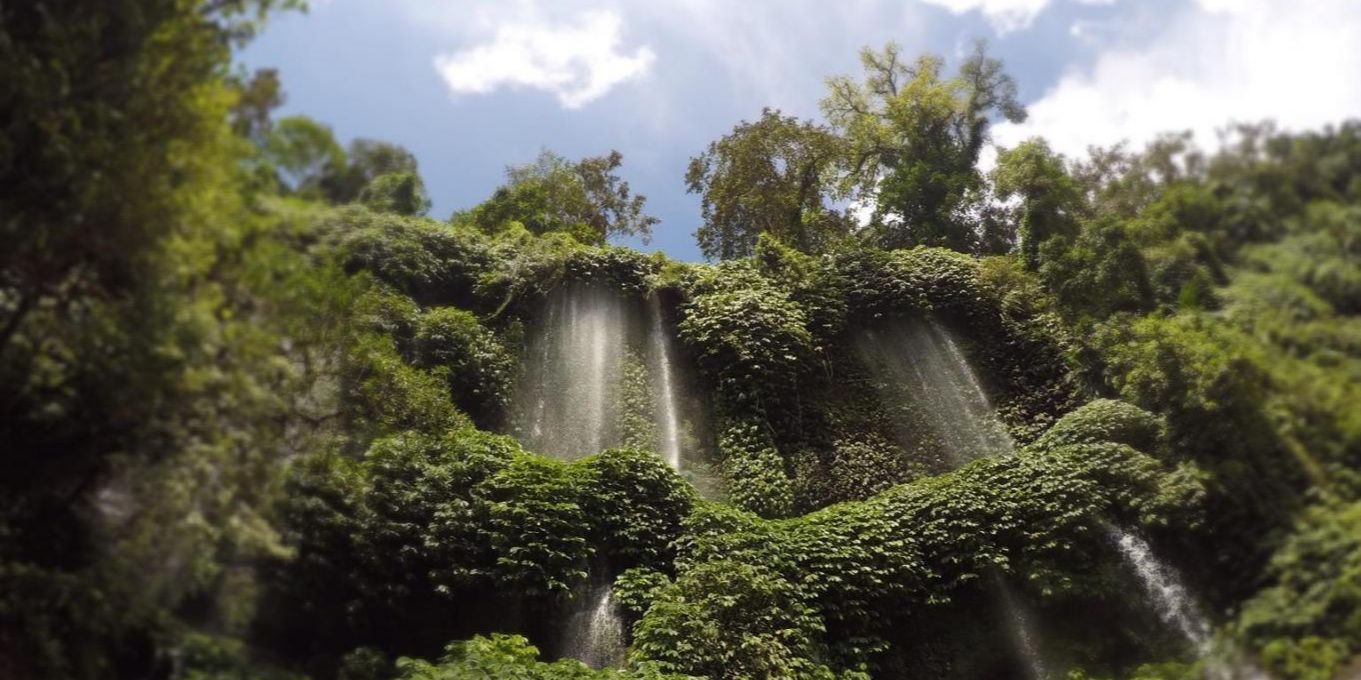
(472, 86)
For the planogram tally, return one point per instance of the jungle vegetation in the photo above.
(260, 414)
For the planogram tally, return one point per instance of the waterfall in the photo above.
(595, 630)
(668, 429)
(1022, 630)
(933, 376)
(1169, 597)
(573, 372)
(1175, 607)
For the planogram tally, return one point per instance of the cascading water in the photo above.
(929, 371)
(573, 377)
(1175, 606)
(1022, 631)
(1169, 597)
(595, 630)
(668, 430)
(927, 368)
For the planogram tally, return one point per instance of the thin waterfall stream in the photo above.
(668, 422)
(595, 629)
(570, 404)
(948, 398)
(1022, 629)
(1169, 597)
(1176, 607)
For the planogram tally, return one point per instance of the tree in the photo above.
(100, 101)
(304, 153)
(256, 100)
(771, 176)
(396, 192)
(365, 161)
(133, 350)
(1050, 199)
(913, 142)
(585, 199)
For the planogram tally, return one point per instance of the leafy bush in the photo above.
(861, 468)
(813, 283)
(1307, 623)
(380, 393)
(479, 369)
(401, 193)
(728, 619)
(431, 262)
(753, 342)
(635, 589)
(865, 567)
(536, 526)
(635, 504)
(513, 658)
(426, 524)
(1106, 420)
(755, 471)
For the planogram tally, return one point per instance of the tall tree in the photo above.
(772, 176)
(1050, 200)
(913, 142)
(140, 371)
(397, 192)
(99, 100)
(256, 100)
(304, 154)
(365, 161)
(585, 198)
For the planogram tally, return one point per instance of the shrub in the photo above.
(635, 504)
(513, 658)
(402, 193)
(1107, 420)
(431, 262)
(729, 619)
(1307, 622)
(753, 342)
(479, 369)
(755, 471)
(861, 468)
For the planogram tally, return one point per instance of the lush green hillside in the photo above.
(263, 417)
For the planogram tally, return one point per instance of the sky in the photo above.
(472, 86)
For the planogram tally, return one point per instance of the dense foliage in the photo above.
(259, 407)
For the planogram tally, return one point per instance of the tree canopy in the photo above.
(914, 138)
(773, 176)
(586, 199)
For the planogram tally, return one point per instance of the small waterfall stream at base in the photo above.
(1169, 597)
(1174, 605)
(595, 630)
(1022, 630)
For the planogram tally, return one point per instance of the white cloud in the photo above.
(1216, 62)
(578, 62)
(1005, 15)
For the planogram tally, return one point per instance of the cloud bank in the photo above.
(1005, 15)
(1216, 62)
(578, 62)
